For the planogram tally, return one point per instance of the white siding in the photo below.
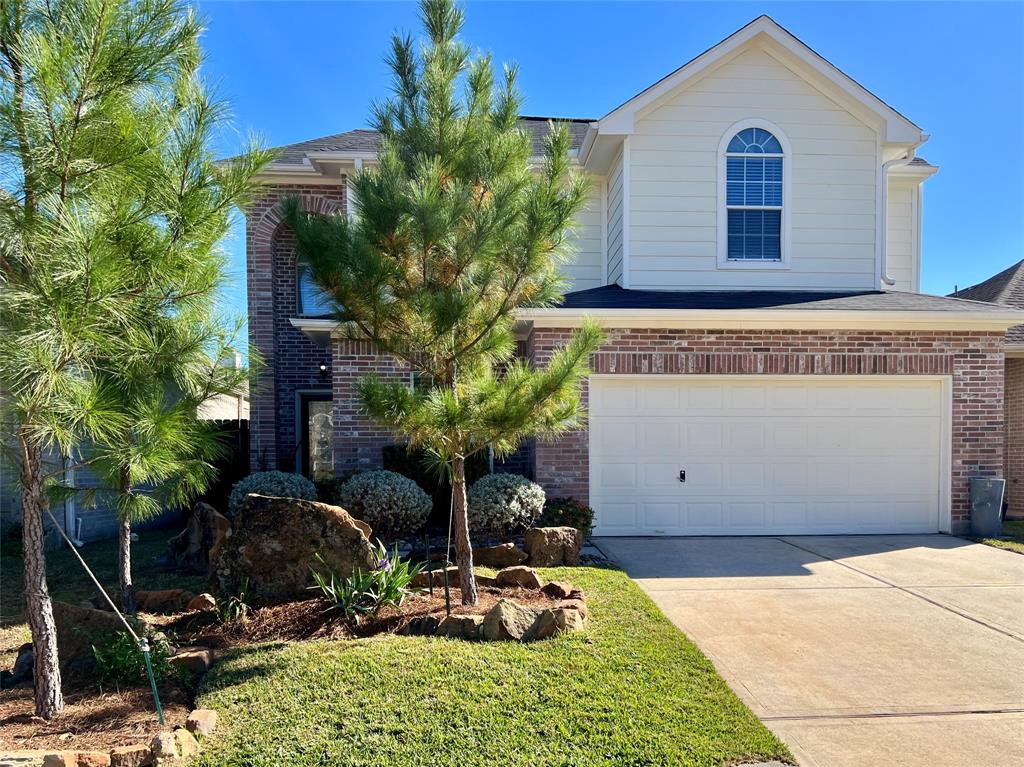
(901, 234)
(615, 222)
(673, 183)
(584, 270)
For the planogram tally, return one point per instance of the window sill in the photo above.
(776, 266)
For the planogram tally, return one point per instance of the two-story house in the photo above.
(752, 246)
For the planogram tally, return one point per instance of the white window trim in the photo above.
(724, 262)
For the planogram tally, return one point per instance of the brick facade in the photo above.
(974, 360)
(1015, 437)
(291, 360)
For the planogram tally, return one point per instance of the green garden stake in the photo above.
(447, 593)
(144, 646)
(430, 575)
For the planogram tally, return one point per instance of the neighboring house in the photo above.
(90, 515)
(752, 245)
(1007, 289)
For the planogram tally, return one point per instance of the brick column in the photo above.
(1015, 437)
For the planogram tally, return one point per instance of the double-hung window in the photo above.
(754, 184)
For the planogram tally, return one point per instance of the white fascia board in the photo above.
(898, 128)
(1014, 350)
(740, 319)
(919, 172)
(772, 319)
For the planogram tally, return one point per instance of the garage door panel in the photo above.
(769, 457)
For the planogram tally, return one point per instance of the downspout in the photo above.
(884, 228)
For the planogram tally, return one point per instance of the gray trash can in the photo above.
(987, 506)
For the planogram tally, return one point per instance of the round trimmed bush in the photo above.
(392, 505)
(277, 484)
(502, 504)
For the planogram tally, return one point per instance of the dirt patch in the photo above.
(310, 619)
(92, 720)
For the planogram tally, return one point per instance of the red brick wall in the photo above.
(973, 359)
(357, 439)
(1015, 437)
(291, 359)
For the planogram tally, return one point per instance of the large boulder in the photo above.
(78, 627)
(274, 543)
(199, 544)
(553, 546)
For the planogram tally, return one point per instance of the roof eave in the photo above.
(780, 319)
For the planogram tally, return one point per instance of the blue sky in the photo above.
(297, 70)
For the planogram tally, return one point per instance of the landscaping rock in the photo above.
(199, 544)
(557, 621)
(460, 626)
(274, 541)
(553, 546)
(194, 660)
(523, 577)
(186, 743)
(202, 721)
(202, 602)
(508, 620)
(131, 756)
(21, 671)
(164, 748)
(425, 625)
(422, 580)
(163, 602)
(502, 555)
(557, 590)
(78, 626)
(77, 759)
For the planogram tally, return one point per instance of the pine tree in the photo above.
(456, 227)
(109, 208)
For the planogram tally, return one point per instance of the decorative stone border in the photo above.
(508, 620)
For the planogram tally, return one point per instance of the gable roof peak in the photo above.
(1006, 288)
(896, 127)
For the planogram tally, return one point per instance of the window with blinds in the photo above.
(753, 196)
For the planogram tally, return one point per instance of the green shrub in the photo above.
(119, 661)
(277, 484)
(502, 504)
(417, 466)
(567, 512)
(392, 505)
(363, 593)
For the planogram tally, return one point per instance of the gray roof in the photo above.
(1004, 289)
(363, 140)
(615, 297)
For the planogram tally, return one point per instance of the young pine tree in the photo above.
(457, 226)
(109, 203)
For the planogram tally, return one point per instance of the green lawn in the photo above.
(1014, 541)
(630, 691)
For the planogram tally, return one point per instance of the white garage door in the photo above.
(765, 456)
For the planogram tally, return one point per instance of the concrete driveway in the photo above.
(858, 651)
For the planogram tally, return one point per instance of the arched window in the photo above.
(312, 300)
(754, 166)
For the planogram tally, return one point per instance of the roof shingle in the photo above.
(363, 140)
(1004, 289)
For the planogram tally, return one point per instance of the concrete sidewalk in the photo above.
(858, 651)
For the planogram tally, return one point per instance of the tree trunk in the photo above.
(463, 548)
(46, 671)
(124, 566)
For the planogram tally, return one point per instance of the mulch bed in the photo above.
(309, 619)
(93, 719)
(100, 719)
